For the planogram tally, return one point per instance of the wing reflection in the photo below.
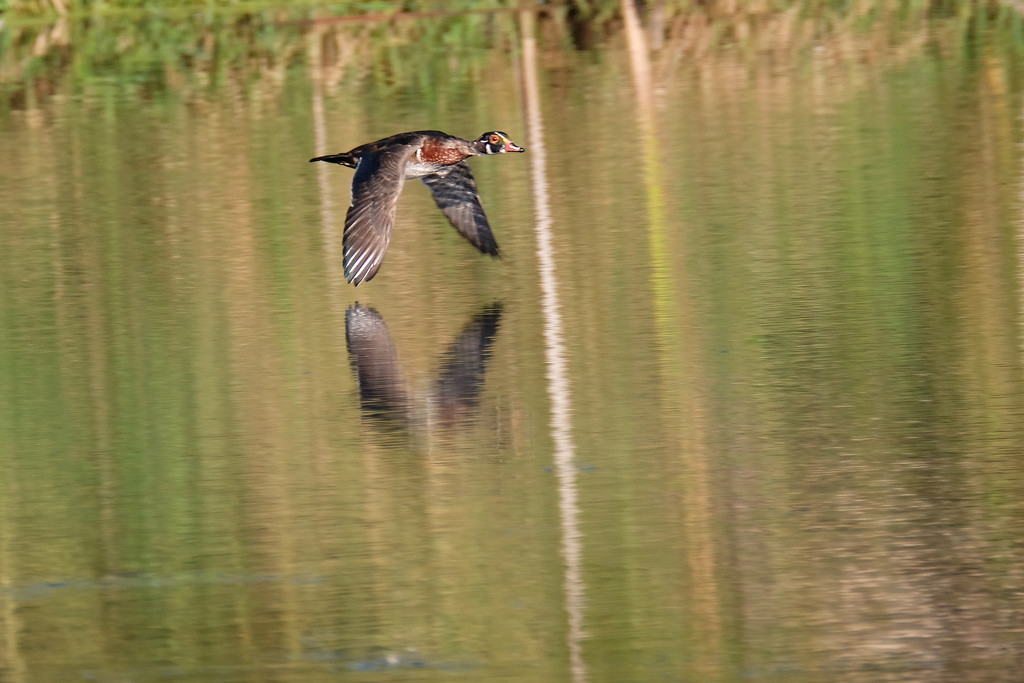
(384, 390)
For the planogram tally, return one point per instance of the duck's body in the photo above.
(382, 167)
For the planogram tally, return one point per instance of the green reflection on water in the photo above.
(792, 313)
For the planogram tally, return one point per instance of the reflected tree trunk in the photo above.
(674, 319)
(328, 214)
(557, 371)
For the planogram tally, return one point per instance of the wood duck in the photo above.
(382, 167)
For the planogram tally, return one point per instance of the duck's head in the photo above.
(495, 142)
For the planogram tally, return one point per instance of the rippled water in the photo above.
(741, 401)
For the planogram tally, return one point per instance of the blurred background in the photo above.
(742, 400)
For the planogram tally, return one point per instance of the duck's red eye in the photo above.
(495, 139)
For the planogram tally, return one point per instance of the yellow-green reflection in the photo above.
(791, 313)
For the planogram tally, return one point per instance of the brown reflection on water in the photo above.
(987, 216)
(865, 484)
(688, 501)
(789, 314)
(331, 220)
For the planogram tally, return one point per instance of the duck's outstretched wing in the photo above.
(371, 350)
(455, 192)
(464, 364)
(375, 188)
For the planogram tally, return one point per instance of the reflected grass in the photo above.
(157, 55)
(186, 51)
(840, 234)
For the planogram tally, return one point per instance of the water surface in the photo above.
(756, 412)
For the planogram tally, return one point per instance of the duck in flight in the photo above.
(382, 167)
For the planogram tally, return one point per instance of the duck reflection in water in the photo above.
(384, 391)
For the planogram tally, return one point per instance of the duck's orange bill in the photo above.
(512, 147)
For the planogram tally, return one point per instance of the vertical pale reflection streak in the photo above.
(554, 349)
(328, 226)
(1020, 256)
(674, 322)
(1018, 5)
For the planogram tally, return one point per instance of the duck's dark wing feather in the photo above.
(464, 365)
(455, 192)
(375, 188)
(382, 387)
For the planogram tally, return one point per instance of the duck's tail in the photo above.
(345, 159)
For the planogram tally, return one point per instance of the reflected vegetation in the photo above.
(751, 406)
(412, 49)
(556, 367)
